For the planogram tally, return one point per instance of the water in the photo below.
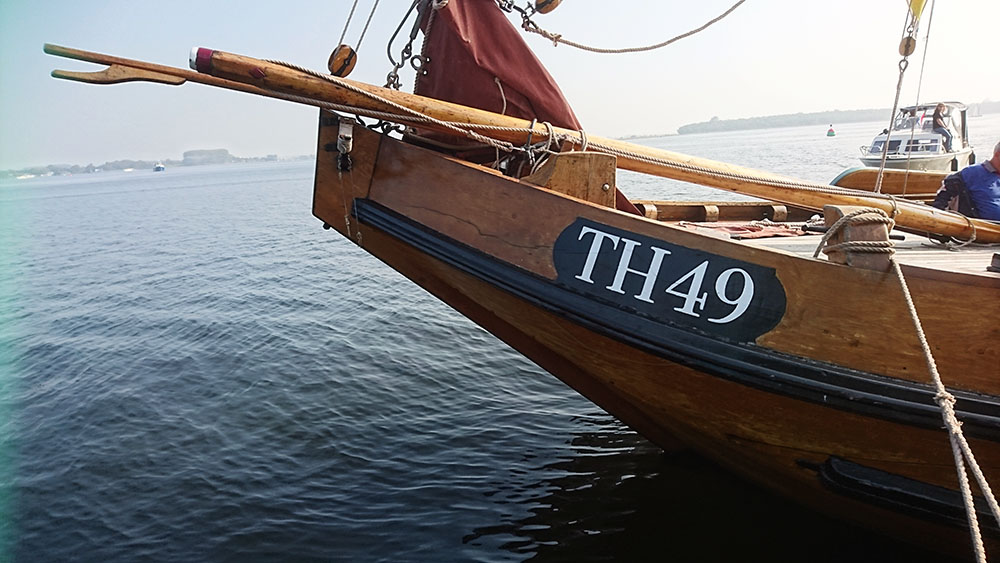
(191, 369)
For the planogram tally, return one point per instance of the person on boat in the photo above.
(975, 190)
(941, 126)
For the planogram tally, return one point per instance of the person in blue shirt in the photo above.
(973, 191)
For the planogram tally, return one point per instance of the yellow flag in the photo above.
(917, 7)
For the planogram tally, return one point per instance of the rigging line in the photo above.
(556, 38)
(347, 24)
(920, 84)
(505, 146)
(910, 26)
(927, 44)
(367, 23)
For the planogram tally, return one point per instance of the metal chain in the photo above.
(392, 79)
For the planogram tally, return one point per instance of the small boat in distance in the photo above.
(159, 167)
(913, 144)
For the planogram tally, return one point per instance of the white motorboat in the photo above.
(914, 145)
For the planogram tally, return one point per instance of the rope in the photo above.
(502, 145)
(909, 29)
(920, 83)
(503, 97)
(367, 23)
(471, 131)
(959, 445)
(965, 461)
(347, 24)
(556, 38)
(867, 215)
(927, 43)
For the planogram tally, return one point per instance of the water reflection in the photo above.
(620, 498)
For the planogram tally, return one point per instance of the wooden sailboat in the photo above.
(804, 373)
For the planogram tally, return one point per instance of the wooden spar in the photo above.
(736, 178)
(129, 70)
(269, 79)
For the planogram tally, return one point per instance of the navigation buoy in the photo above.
(342, 61)
(830, 132)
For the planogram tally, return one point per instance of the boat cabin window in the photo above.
(877, 146)
(906, 122)
(922, 145)
(912, 146)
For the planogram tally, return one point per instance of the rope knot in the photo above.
(943, 398)
(868, 215)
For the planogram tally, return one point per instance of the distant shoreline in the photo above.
(715, 124)
(191, 158)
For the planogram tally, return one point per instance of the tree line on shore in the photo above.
(190, 158)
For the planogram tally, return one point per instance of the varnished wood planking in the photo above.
(915, 184)
(518, 223)
(754, 433)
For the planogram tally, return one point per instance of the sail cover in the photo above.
(477, 58)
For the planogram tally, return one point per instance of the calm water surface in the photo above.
(191, 369)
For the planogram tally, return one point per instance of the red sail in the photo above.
(471, 46)
(478, 59)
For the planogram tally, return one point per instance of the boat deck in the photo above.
(913, 250)
(779, 227)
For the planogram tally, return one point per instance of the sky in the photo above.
(768, 57)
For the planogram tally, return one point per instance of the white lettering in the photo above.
(741, 302)
(650, 275)
(595, 248)
(691, 297)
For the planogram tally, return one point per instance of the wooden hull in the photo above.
(946, 162)
(817, 388)
(911, 184)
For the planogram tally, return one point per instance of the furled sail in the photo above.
(478, 59)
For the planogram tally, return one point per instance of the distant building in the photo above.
(212, 156)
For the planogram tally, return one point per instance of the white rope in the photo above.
(398, 107)
(964, 459)
(960, 446)
(503, 97)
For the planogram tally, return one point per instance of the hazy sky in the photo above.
(768, 57)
